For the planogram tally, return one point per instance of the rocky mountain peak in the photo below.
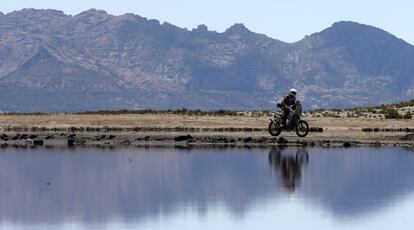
(201, 28)
(30, 13)
(93, 16)
(344, 24)
(34, 20)
(93, 12)
(353, 30)
(238, 28)
(130, 17)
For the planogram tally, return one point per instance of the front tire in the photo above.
(274, 129)
(302, 129)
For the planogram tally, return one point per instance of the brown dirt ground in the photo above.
(334, 128)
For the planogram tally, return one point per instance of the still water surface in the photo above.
(358, 188)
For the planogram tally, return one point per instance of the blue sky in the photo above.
(287, 20)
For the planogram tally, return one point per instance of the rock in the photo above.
(376, 144)
(4, 137)
(247, 139)
(261, 140)
(125, 142)
(347, 144)
(75, 141)
(408, 137)
(38, 142)
(71, 142)
(183, 138)
(282, 140)
(302, 143)
(98, 138)
(217, 139)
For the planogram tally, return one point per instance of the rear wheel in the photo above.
(274, 129)
(302, 129)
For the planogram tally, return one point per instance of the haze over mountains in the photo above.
(50, 61)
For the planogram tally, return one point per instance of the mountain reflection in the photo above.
(96, 185)
(41, 186)
(360, 181)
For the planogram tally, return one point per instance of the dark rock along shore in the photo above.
(137, 140)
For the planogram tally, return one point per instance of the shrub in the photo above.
(390, 113)
(337, 110)
(408, 115)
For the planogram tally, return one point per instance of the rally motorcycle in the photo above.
(294, 122)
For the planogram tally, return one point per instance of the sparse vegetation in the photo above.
(403, 110)
(181, 111)
(395, 111)
(408, 115)
(390, 113)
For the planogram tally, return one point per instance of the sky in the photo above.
(286, 20)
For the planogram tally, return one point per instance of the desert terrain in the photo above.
(169, 129)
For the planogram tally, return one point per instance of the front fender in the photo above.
(274, 120)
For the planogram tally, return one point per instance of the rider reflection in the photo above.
(288, 167)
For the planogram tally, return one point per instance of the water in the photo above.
(359, 188)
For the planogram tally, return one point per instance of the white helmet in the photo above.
(293, 92)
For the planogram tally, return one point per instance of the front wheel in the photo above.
(274, 129)
(302, 129)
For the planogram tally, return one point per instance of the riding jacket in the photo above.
(288, 101)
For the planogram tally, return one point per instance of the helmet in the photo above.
(293, 92)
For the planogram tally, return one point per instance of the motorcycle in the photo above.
(295, 122)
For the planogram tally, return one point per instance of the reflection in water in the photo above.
(289, 167)
(98, 186)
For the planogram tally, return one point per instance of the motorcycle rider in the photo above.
(287, 105)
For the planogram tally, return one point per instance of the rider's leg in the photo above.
(285, 116)
(291, 116)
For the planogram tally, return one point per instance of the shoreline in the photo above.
(168, 130)
(71, 139)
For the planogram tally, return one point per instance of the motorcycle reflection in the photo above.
(288, 167)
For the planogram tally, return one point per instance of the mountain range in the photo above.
(53, 62)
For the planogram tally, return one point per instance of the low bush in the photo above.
(408, 115)
(390, 113)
